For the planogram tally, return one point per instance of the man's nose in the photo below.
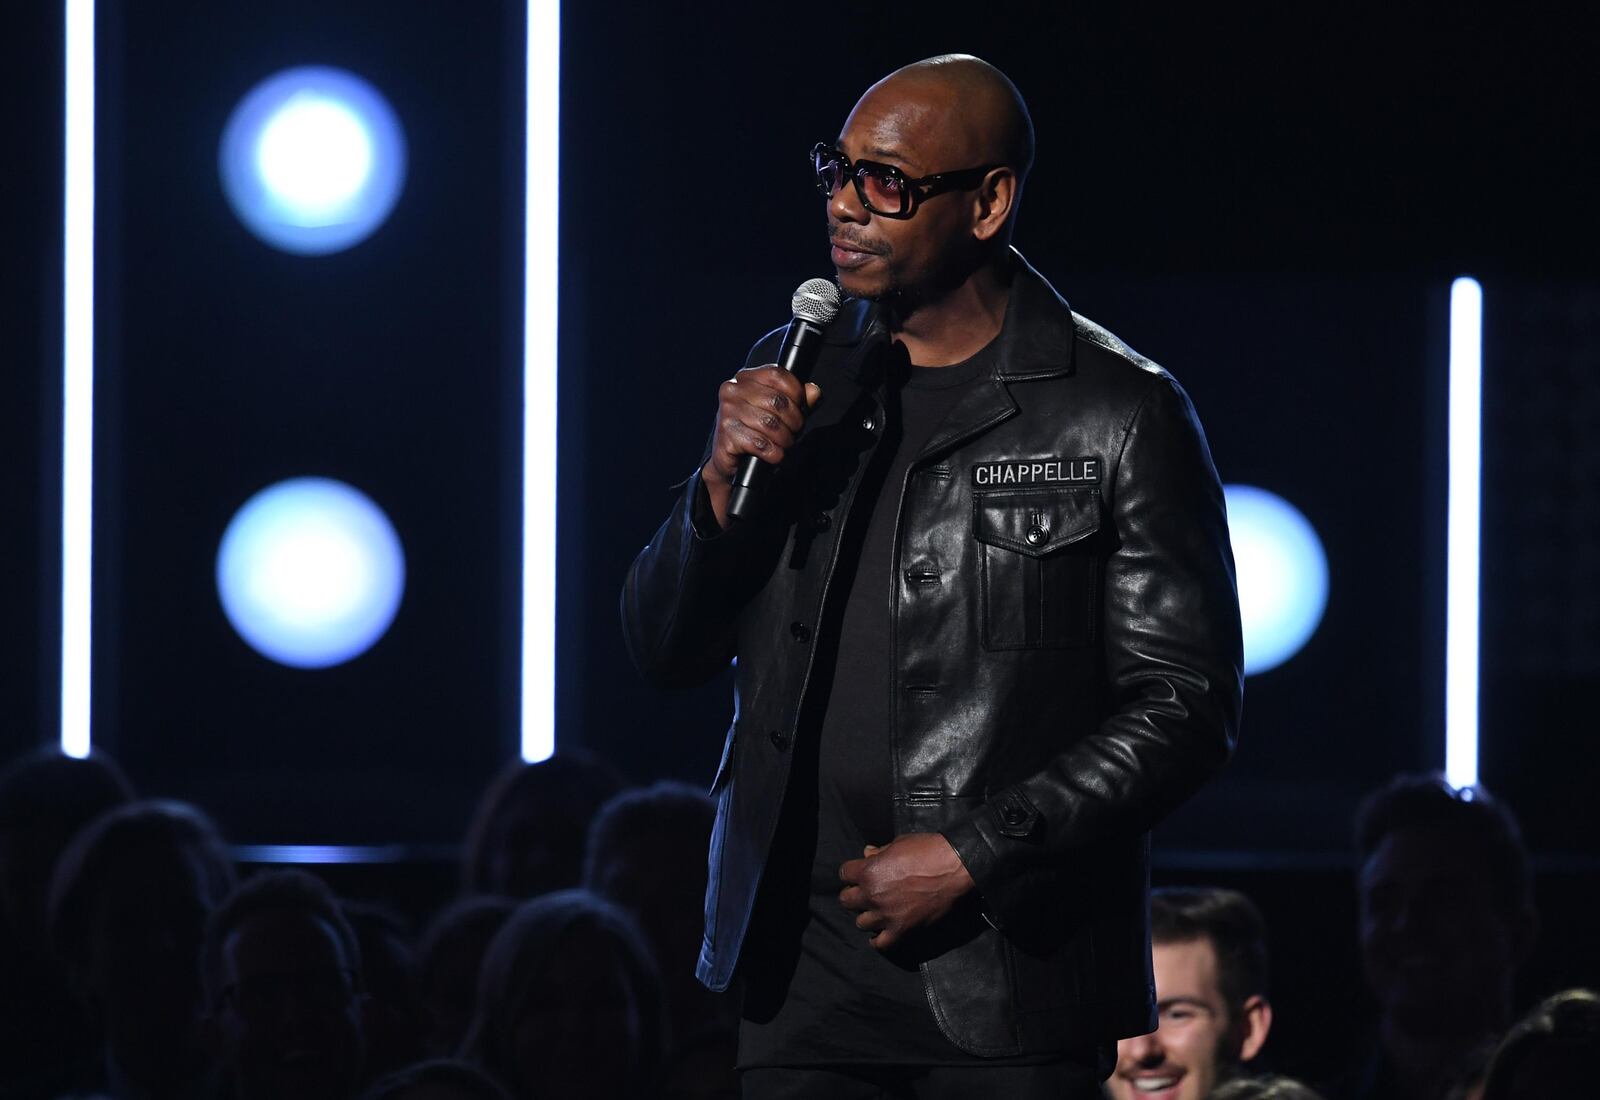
(846, 206)
(1145, 1050)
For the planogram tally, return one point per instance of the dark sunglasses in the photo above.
(883, 188)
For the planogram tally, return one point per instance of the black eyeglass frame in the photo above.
(912, 191)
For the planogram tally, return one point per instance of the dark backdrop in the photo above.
(1269, 201)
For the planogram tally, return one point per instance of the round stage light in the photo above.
(1283, 575)
(313, 160)
(310, 572)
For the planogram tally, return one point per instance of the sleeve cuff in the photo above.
(1002, 831)
(701, 516)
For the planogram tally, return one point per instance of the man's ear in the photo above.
(1255, 1020)
(996, 199)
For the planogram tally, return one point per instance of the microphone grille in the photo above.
(817, 301)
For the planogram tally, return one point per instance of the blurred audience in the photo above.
(1209, 953)
(448, 961)
(283, 969)
(647, 853)
(1265, 1088)
(528, 835)
(132, 968)
(396, 1019)
(45, 798)
(1551, 1052)
(1447, 917)
(129, 902)
(439, 1079)
(569, 1003)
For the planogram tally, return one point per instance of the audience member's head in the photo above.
(569, 1002)
(1264, 1088)
(647, 853)
(1552, 1051)
(396, 1019)
(1209, 953)
(45, 798)
(1446, 910)
(128, 906)
(283, 975)
(438, 1079)
(448, 961)
(528, 834)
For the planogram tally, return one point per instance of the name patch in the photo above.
(1038, 471)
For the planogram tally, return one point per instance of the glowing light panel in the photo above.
(541, 170)
(313, 160)
(310, 572)
(1283, 575)
(320, 853)
(1462, 522)
(77, 422)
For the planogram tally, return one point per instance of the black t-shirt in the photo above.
(816, 990)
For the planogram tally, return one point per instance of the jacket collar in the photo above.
(1039, 337)
(1037, 340)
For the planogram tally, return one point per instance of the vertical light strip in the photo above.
(541, 173)
(77, 428)
(1462, 567)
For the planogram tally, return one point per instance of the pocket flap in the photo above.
(1036, 521)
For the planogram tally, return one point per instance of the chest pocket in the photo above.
(1041, 566)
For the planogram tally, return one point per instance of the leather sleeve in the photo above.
(676, 623)
(1174, 663)
(684, 592)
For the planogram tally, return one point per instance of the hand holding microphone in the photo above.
(762, 409)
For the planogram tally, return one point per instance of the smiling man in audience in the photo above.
(1210, 956)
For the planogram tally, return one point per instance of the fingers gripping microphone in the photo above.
(815, 304)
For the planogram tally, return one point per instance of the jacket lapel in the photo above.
(1035, 342)
(987, 405)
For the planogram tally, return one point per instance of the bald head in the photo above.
(953, 117)
(981, 109)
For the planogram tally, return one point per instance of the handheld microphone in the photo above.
(815, 303)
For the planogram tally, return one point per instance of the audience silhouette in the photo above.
(396, 1018)
(133, 968)
(1447, 918)
(528, 835)
(569, 1003)
(437, 1079)
(1552, 1051)
(283, 978)
(448, 961)
(45, 799)
(129, 903)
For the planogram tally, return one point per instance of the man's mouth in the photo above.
(847, 254)
(1150, 1085)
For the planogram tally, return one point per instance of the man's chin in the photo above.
(855, 285)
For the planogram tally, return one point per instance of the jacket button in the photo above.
(1036, 536)
(1012, 814)
(780, 741)
(822, 521)
(801, 632)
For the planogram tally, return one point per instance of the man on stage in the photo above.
(986, 636)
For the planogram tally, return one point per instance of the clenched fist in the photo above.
(910, 882)
(761, 412)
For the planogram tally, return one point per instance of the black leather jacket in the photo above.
(1066, 646)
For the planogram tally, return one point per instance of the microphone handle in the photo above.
(797, 355)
